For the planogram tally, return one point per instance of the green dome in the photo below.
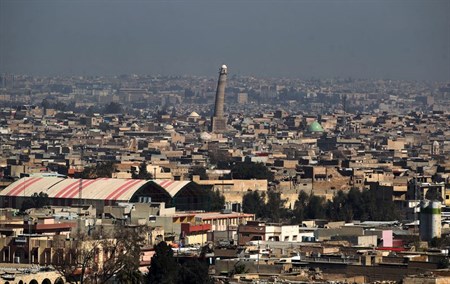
(315, 127)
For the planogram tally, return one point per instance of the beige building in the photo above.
(233, 190)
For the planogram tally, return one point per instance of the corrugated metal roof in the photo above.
(100, 189)
(27, 186)
(171, 186)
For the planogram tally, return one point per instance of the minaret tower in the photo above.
(218, 121)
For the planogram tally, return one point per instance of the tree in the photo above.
(309, 207)
(370, 206)
(443, 263)
(254, 202)
(355, 201)
(216, 200)
(274, 208)
(338, 209)
(101, 170)
(90, 111)
(163, 267)
(142, 173)
(45, 104)
(73, 258)
(128, 251)
(37, 200)
(60, 106)
(105, 169)
(220, 157)
(443, 242)
(113, 107)
(315, 207)
(360, 206)
(88, 173)
(433, 194)
(199, 171)
(194, 272)
(300, 207)
(77, 259)
(248, 170)
(378, 210)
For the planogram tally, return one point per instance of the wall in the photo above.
(326, 234)
(193, 239)
(39, 277)
(233, 190)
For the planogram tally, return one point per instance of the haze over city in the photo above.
(225, 142)
(361, 39)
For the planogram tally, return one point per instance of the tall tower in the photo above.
(218, 121)
(430, 220)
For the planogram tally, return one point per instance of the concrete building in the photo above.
(233, 189)
(260, 231)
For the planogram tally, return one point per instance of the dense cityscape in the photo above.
(189, 179)
(224, 142)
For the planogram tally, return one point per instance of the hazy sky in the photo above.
(397, 39)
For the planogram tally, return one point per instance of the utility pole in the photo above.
(29, 240)
(80, 196)
(257, 261)
(27, 219)
(80, 188)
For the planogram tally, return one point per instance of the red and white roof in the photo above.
(171, 186)
(100, 189)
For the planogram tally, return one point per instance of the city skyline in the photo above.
(373, 39)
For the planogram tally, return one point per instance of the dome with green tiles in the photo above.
(315, 127)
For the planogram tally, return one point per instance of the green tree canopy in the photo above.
(113, 107)
(199, 171)
(354, 205)
(253, 202)
(272, 210)
(300, 207)
(163, 267)
(101, 170)
(194, 272)
(275, 210)
(315, 207)
(37, 200)
(249, 170)
(216, 200)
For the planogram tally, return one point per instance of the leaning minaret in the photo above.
(218, 121)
